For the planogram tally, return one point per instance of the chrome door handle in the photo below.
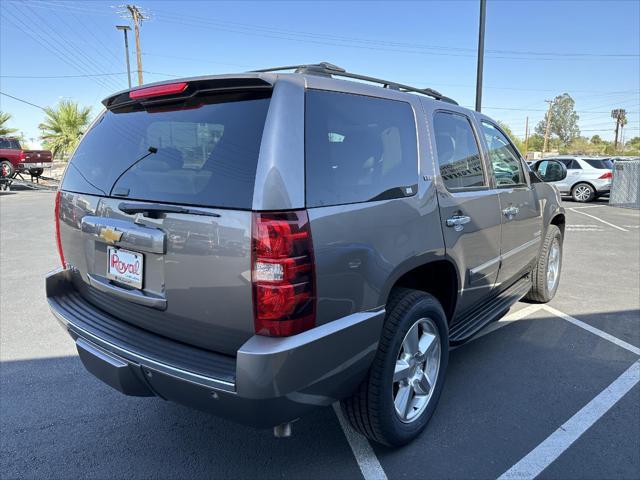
(458, 220)
(510, 211)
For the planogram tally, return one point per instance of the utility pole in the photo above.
(483, 11)
(546, 130)
(526, 137)
(125, 29)
(137, 16)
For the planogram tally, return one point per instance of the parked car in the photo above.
(347, 235)
(14, 159)
(587, 177)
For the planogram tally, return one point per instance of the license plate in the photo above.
(125, 266)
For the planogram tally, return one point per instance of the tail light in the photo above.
(159, 90)
(57, 227)
(605, 176)
(283, 273)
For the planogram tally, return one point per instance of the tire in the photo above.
(542, 291)
(7, 167)
(36, 172)
(583, 193)
(372, 409)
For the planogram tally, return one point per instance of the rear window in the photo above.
(358, 149)
(203, 155)
(9, 143)
(600, 163)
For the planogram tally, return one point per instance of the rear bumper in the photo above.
(29, 165)
(270, 381)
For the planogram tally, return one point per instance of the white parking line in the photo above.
(588, 206)
(550, 449)
(594, 330)
(366, 458)
(574, 209)
(559, 441)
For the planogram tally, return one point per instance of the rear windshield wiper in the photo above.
(153, 209)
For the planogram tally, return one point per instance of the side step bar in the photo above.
(488, 312)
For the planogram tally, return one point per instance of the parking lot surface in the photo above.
(554, 393)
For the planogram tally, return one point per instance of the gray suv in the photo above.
(261, 244)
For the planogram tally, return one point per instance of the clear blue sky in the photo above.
(534, 50)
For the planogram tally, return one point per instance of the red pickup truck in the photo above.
(13, 159)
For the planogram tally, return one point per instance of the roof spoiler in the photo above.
(166, 92)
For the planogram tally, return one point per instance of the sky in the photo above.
(534, 50)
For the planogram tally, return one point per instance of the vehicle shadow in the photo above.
(505, 393)
(509, 390)
(60, 422)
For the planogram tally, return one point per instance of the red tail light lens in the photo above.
(605, 176)
(159, 90)
(282, 273)
(57, 227)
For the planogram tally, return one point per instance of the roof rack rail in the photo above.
(326, 69)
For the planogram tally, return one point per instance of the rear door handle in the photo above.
(510, 212)
(457, 221)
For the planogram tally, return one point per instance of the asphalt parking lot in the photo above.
(550, 391)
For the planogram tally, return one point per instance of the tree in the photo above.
(4, 130)
(63, 126)
(564, 120)
(596, 140)
(516, 141)
(535, 143)
(634, 143)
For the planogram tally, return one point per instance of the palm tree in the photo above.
(63, 126)
(4, 130)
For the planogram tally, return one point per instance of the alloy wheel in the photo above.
(416, 370)
(583, 192)
(553, 265)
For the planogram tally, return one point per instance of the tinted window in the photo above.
(600, 164)
(9, 143)
(205, 155)
(358, 149)
(507, 167)
(458, 154)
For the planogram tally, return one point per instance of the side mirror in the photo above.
(551, 170)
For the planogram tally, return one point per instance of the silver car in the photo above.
(262, 244)
(587, 177)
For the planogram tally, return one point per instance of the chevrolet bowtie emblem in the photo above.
(110, 235)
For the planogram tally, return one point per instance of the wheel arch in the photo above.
(436, 275)
(559, 220)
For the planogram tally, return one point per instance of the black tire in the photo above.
(540, 291)
(7, 167)
(371, 410)
(36, 172)
(583, 192)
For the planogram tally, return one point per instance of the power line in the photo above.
(88, 75)
(22, 100)
(50, 43)
(347, 41)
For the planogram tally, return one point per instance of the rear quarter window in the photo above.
(358, 149)
(600, 164)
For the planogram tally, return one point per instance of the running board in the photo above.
(488, 312)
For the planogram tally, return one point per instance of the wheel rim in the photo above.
(416, 370)
(583, 192)
(553, 265)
